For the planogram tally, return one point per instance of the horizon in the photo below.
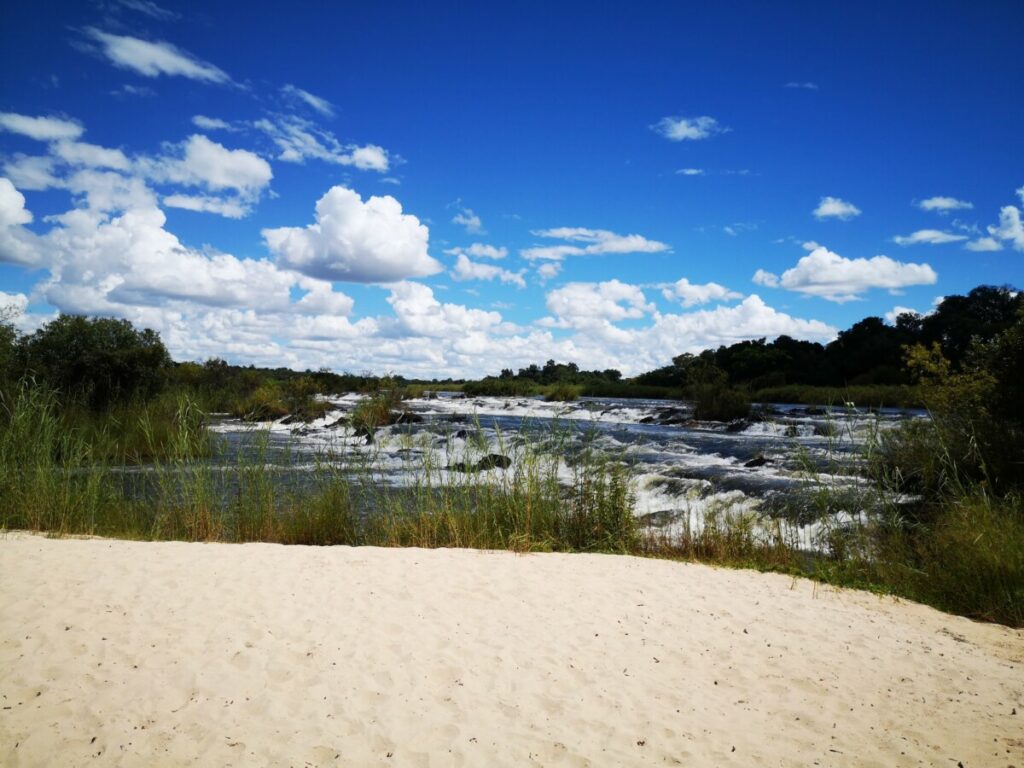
(423, 192)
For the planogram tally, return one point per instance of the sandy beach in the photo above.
(167, 654)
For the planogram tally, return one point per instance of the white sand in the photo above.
(140, 654)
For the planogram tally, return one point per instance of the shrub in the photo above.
(562, 393)
(721, 404)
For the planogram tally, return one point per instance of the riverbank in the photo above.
(132, 653)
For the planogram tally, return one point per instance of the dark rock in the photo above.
(494, 460)
(491, 461)
(737, 426)
(647, 420)
(791, 431)
(758, 461)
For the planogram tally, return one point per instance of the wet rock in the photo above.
(647, 420)
(737, 425)
(791, 431)
(491, 461)
(406, 417)
(494, 461)
(758, 461)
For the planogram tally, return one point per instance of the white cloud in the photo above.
(594, 242)
(472, 270)
(579, 303)
(829, 276)
(929, 236)
(420, 313)
(323, 106)
(984, 244)
(17, 244)
(834, 208)
(549, 270)
(765, 278)
(807, 86)
(941, 204)
(149, 8)
(298, 139)
(209, 165)
(354, 241)
(40, 128)
(91, 155)
(32, 173)
(1010, 227)
(750, 319)
(688, 128)
(690, 172)
(466, 218)
(691, 294)
(211, 123)
(230, 208)
(480, 251)
(152, 59)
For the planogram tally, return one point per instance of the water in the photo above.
(776, 464)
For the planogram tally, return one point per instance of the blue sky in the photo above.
(450, 190)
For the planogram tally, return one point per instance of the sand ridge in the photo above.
(167, 654)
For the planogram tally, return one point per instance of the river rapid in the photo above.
(800, 467)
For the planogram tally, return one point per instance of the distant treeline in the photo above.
(867, 359)
(100, 362)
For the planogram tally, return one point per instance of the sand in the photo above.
(168, 654)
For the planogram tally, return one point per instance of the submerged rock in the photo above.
(758, 461)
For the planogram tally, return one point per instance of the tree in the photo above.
(102, 359)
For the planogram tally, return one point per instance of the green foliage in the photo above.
(562, 393)
(101, 359)
(500, 387)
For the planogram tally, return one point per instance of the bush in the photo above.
(102, 359)
(562, 393)
(721, 404)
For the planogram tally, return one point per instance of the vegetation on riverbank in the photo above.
(944, 522)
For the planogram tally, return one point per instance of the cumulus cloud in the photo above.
(1010, 227)
(420, 313)
(580, 303)
(480, 251)
(90, 155)
(211, 123)
(941, 204)
(829, 276)
(40, 128)
(591, 242)
(239, 174)
(323, 106)
(208, 164)
(152, 59)
(465, 269)
(299, 140)
(750, 319)
(835, 208)
(356, 241)
(984, 244)
(688, 128)
(17, 244)
(466, 218)
(548, 270)
(928, 236)
(692, 294)
(31, 172)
